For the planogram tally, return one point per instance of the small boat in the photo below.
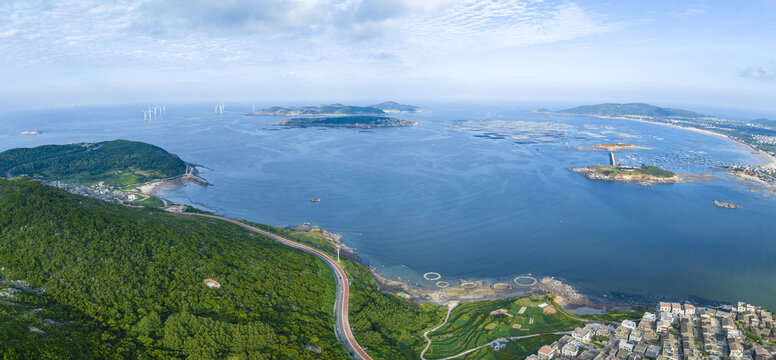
(315, 200)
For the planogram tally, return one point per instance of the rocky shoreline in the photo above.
(726, 205)
(333, 238)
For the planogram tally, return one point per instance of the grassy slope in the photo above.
(471, 325)
(135, 275)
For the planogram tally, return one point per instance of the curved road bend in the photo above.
(342, 325)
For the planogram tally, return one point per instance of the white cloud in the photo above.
(163, 33)
(485, 25)
(756, 72)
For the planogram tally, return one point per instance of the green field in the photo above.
(471, 325)
(150, 201)
(518, 349)
(617, 316)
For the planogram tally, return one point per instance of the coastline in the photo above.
(157, 187)
(769, 160)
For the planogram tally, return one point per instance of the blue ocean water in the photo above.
(439, 198)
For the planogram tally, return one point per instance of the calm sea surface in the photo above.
(467, 204)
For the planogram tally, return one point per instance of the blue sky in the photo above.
(56, 53)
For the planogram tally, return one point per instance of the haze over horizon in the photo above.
(84, 52)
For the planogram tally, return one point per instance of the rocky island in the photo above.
(644, 175)
(725, 205)
(349, 121)
(610, 147)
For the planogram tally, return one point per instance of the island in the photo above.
(644, 175)
(636, 110)
(610, 147)
(349, 121)
(725, 205)
(392, 106)
(329, 110)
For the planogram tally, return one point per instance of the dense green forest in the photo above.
(128, 283)
(117, 162)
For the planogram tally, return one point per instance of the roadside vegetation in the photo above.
(385, 325)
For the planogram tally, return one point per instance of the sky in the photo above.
(82, 52)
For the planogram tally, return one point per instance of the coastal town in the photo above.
(100, 191)
(673, 331)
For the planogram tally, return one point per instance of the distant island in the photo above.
(644, 175)
(392, 106)
(627, 110)
(610, 147)
(349, 121)
(337, 109)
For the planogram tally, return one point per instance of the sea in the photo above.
(475, 192)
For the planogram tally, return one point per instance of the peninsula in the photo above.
(349, 121)
(117, 162)
(119, 171)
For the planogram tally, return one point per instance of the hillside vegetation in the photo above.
(128, 283)
(117, 162)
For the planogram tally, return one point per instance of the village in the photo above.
(101, 191)
(674, 331)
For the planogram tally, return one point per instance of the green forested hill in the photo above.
(632, 109)
(117, 162)
(121, 282)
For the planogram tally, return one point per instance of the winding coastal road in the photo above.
(342, 325)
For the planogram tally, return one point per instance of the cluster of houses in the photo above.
(99, 191)
(673, 332)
